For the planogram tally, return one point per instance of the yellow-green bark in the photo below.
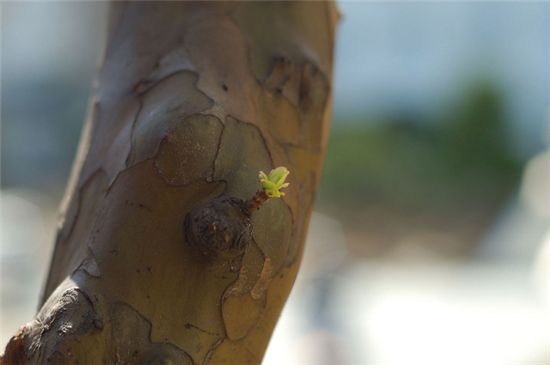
(192, 100)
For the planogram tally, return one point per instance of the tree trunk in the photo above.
(155, 261)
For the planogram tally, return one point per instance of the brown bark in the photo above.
(154, 261)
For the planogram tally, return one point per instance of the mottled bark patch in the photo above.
(187, 152)
(297, 40)
(175, 60)
(271, 230)
(145, 261)
(306, 89)
(271, 224)
(238, 323)
(249, 271)
(238, 296)
(132, 344)
(242, 154)
(164, 106)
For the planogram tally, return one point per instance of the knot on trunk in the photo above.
(219, 228)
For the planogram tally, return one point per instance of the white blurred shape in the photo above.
(541, 271)
(301, 336)
(401, 312)
(476, 314)
(22, 224)
(535, 189)
(27, 219)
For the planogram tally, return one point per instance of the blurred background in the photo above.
(430, 241)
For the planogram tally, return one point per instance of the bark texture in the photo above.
(154, 261)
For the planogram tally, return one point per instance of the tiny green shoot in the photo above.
(273, 182)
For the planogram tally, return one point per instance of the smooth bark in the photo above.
(154, 262)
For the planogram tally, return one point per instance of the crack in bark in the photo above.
(211, 351)
(129, 156)
(190, 325)
(218, 147)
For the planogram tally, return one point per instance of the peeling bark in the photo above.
(156, 261)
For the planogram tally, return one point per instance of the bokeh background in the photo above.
(430, 241)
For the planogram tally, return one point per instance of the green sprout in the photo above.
(274, 182)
